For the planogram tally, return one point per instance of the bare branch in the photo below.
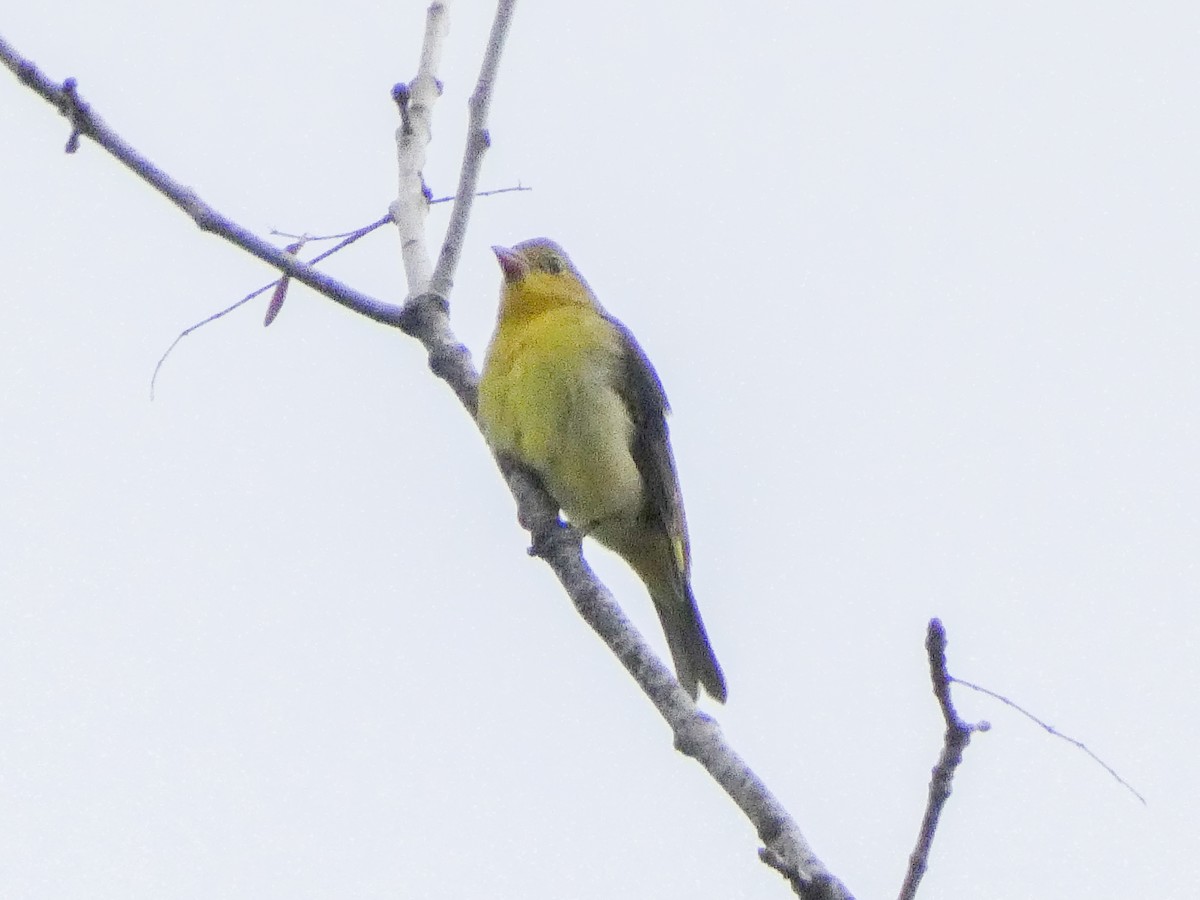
(696, 735)
(1054, 731)
(416, 101)
(477, 144)
(958, 735)
(88, 124)
(425, 313)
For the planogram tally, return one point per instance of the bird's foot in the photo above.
(545, 537)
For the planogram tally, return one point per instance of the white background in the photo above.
(921, 281)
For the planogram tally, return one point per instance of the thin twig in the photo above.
(478, 142)
(507, 190)
(1054, 731)
(347, 239)
(217, 315)
(350, 238)
(958, 735)
(359, 232)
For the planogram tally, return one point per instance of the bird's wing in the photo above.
(650, 446)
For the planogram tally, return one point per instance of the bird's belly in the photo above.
(591, 472)
(559, 415)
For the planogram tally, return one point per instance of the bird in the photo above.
(567, 391)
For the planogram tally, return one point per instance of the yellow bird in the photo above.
(567, 391)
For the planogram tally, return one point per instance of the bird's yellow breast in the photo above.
(548, 398)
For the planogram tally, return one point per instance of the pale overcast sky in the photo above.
(921, 281)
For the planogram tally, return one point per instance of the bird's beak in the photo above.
(514, 265)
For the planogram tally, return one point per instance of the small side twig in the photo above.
(507, 190)
(349, 239)
(70, 107)
(958, 735)
(1054, 731)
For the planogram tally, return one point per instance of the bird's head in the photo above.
(539, 275)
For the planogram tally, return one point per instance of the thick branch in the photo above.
(416, 101)
(696, 734)
(425, 314)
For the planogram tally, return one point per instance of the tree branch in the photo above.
(478, 142)
(958, 735)
(696, 735)
(416, 100)
(87, 123)
(424, 316)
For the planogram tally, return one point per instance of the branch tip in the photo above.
(954, 742)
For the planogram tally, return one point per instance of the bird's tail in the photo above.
(666, 577)
(695, 662)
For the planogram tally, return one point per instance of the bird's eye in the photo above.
(553, 265)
